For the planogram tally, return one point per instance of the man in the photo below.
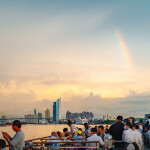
(116, 130)
(87, 130)
(101, 132)
(128, 137)
(94, 137)
(138, 136)
(131, 120)
(17, 142)
(73, 129)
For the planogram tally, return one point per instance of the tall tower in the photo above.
(35, 111)
(57, 110)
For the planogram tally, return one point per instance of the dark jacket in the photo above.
(116, 130)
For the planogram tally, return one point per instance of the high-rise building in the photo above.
(57, 110)
(47, 114)
(35, 111)
(68, 115)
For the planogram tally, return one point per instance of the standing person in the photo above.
(106, 129)
(17, 142)
(94, 137)
(116, 130)
(101, 132)
(87, 130)
(73, 129)
(131, 120)
(138, 136)
(128, 137)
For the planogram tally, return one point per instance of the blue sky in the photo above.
(68, 48)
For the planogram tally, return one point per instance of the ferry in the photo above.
(80, 121)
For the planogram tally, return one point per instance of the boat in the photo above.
(80, 121)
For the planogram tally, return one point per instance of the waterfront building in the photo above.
(31, 118)
(83, 115)
(68, 115)
(35, 112)
(4, 119)
(47, 114)
(107, 117)
(57, 110)
(39, 117)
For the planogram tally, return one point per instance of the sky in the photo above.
(92, 54)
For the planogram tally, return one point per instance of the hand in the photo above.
(5, 135)
(113, 141)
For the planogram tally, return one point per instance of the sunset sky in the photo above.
(94, 54)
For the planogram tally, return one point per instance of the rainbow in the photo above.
(124, 49)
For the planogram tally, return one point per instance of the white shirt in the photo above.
(138, 138)
(73, 129)
(94, 137)
(53, 137)
(129, 137)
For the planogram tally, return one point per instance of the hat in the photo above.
(79, 132)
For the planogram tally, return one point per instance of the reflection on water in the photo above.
(36, 131)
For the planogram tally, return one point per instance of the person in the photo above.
(101, 132)
(17, 142)
(106, 129)
(73, 129)
(147, 122)
(138, 136)
(2, 144)
(87, 130)
(59, 134)
(116, 130)
(148, 133)
(64, 131)
(29, 146)
(128, 137)
(54, 138)
(79, 137)
(143, 130)
(94, 137)
(131, 120)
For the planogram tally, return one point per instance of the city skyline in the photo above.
(94, 55)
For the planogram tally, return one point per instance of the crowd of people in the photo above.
(127, 136)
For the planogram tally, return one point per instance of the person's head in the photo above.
(106, 127)
(130, 119)
(69, 123)
(148, 117)
(29, 146)
(93, 130)
(86, 125)
(79, 133)
(67, 134)
(65, 129)
(2, 144)
(54, 134)
(128, 125)
(16, 125)
(137, 127)
(100, 129)
(80, 129)
(119, 119)
(147, 123)
(59, 134)
(134, 126)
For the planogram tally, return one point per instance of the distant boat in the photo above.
(81, 121)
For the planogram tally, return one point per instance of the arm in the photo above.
(5, 134)
(101, 142)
